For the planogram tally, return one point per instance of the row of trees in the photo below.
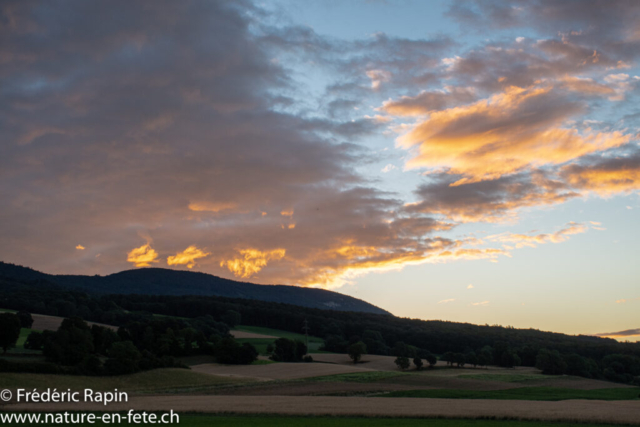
(150, 343)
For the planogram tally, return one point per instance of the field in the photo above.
(333, 391)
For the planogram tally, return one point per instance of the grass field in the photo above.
(525, 393)
(158, 380)
(278, 421)
(261, 343)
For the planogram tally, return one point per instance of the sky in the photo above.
(465, 161)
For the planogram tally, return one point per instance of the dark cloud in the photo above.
(160, 124)
(488, 201)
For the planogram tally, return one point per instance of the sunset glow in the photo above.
(391, 151)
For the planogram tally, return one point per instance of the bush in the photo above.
(307, 359)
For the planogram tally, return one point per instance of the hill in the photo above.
(161, 281)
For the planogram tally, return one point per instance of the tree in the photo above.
(287, 350)
(431, 359)
(485, 356)
(124, 358)
(448, 357)
(230, 352)
(550, 362)
(25, 319)
(9, 330)
(336, 344)
(418, 362)
(34, 341)
(356, 351)
(471, 359)
(374, 342)
(459, 359)
(509, 359)
(232, 318)
(402, 362)
(70, 344)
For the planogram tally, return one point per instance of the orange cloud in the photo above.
(604, 181)
(287, 212)
(470, 254)
(512, 130)
(522, 240)
(80, 248)
(444, 301)
(187, 257)
(143, 256)
(212, 206)
(251, 261)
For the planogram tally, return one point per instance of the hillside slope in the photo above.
(160, 281)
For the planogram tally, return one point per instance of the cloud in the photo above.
(488, 201)
(187, 257)
(142, 256)
(426, 101)
(444, 301)
(252, 261)
(605, 176)
(191, 124)
(504, 134)
(480, 303)
(621, 301)
(522, 240)
(80, 248)
(212, 206)
(620, 334)
(470, 287)
(388, 168)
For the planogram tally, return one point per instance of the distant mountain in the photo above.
(161, 281)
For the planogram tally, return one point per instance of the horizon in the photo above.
(277, 284)
(472, 162)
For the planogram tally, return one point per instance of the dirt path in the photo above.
(568, 410)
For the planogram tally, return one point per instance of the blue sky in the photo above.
(465, 161)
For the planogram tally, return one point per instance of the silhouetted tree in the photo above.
(356, 351)
(550, 362)
(26, 320)
(9, 330)
(418, 362)
(402, 362)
